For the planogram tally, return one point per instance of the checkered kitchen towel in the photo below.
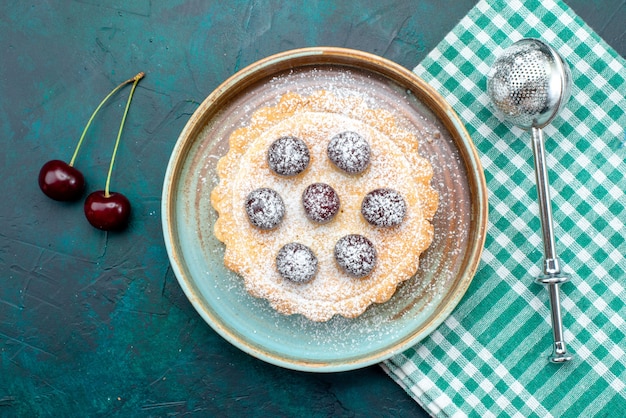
(489, 358)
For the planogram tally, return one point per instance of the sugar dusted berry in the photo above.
(296, 262)
(288, 156)
(383, 207)
(349, 151)
(321, 202)
(265, 208)
(356, 255)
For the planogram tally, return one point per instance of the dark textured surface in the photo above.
(94, 323)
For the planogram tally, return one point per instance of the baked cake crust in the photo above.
(394, 163)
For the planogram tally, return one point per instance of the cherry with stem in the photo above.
(62, 181)
(104, 209)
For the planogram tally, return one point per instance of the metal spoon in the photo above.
(529, 84)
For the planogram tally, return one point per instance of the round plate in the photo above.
(419, 305)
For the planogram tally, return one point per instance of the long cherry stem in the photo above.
(135, 80)
(93, 115)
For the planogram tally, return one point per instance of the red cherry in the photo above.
(61, 181)
(107, 212)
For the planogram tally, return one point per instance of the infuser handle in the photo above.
(552, 276)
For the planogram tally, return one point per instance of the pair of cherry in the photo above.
(62, 181)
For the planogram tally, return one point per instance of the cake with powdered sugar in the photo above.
(324, 205)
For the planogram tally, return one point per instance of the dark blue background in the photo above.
(95, 324)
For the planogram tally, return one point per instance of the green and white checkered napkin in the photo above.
(489, 358)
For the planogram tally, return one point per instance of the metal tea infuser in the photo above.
(528, 85)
